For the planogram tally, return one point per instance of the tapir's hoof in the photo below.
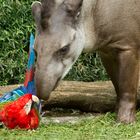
(126, 116)
(126, 120)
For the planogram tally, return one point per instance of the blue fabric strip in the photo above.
(31, 60)
(18, 92)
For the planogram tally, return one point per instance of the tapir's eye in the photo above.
(61, 53)
(64, 50)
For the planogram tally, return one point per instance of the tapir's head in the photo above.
(58, 43)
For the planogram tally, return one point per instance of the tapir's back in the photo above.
(117, 20)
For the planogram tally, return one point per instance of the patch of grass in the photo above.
(101, 127)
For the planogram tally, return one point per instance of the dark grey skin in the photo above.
(65, 28)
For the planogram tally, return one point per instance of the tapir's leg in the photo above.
(123, 68)
(111, 65)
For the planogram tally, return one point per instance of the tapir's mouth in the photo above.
(56, 84)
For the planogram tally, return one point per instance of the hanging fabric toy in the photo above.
(20, 108)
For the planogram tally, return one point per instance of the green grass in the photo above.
(101, 127)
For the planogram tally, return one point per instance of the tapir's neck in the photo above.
(87, 22)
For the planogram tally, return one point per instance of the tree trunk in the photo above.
(86, 96)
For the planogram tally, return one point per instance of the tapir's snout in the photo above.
(45, 85)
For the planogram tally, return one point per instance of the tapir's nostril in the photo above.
(56, 84)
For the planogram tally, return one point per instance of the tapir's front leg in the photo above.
(128, 75)
(124, 74)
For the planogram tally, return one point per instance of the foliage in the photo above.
(88, 68)
(16, 23)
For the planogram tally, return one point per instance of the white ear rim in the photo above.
(35, 2)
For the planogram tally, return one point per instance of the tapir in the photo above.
(66, 28)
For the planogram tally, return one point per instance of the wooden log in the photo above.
(85, 96)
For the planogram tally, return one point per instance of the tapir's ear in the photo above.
(73, 8)
(36, 11)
